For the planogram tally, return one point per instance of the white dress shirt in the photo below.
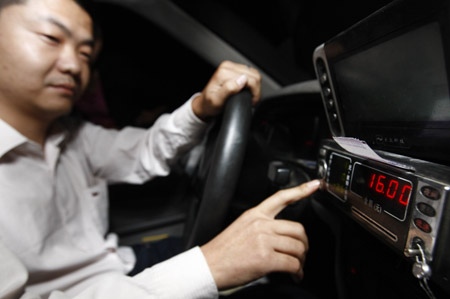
(53, 208)
(173, 278)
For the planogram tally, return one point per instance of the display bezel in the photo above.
(429, 140)
(337, 192)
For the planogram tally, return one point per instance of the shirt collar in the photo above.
(12, 139)
(58, 134)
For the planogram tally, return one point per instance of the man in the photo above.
(54, 171)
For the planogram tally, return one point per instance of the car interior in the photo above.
(339, 79)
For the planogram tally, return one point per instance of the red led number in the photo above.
(379, 183)
(392, 189)
(404, 198)
(372, 179)
(380, 186)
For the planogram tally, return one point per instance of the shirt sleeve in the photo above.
(186, 275)
(135, 155)
(191, 273)
(13, 275)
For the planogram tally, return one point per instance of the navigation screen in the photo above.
(403, 79)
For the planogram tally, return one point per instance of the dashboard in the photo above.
(385, 89)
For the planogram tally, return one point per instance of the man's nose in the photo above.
(69, 61)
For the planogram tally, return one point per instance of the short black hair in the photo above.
(4, 3)
(87, 5)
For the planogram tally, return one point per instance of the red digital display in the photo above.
(381, 189)
(390, 188)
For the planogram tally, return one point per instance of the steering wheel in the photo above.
(224, 157)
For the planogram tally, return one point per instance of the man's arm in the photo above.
(184, 276)
(135, 156)
(251, 247)
(257, 243)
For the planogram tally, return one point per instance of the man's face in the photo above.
(45, 49)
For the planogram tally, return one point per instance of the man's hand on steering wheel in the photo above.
(256, 243)
(229, 79)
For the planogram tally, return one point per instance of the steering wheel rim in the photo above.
(224, 169)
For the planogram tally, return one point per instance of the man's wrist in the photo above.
(198, 108)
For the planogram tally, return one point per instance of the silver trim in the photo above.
(319, 52)
(322, 169)
(360, 215)
(347, 182)
(435, 222)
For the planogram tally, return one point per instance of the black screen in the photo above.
(403, 79)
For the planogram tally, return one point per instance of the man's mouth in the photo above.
(65, 88)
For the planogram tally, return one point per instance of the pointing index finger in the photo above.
(277, 202)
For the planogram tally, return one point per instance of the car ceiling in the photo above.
(277, 37)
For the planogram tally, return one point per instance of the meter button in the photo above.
(322, 169)
(430, 193)
(330, 103)
(334, 117)
(422, 225)
(426, 209)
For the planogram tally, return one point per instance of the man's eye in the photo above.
(50, 38)
(86, 55)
